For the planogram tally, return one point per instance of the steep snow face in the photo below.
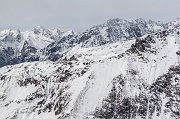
(38, 41)
(17, 47)
(10, 38)
(112, 31)
(175, 25)
(130, 79)
(38, 37)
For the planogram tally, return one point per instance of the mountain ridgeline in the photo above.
(50, 44)
(118, 70)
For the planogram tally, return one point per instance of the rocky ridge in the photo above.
(129, 79)
(50, 44)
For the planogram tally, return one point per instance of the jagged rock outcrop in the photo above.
(112, 31)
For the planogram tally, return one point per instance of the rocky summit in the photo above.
(118, 70)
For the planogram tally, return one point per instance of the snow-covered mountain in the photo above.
(110, 32)
(137, 78)
(17, 47)
(50, 44)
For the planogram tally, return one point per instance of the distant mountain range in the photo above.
(50, 44)
(118, 70)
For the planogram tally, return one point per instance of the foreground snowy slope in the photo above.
(135, 79)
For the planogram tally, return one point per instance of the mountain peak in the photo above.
(39, 29)
(177, 21)
(140, 20)
(70, 32)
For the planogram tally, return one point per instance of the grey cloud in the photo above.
(81, 14)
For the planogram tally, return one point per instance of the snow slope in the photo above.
(130, 79)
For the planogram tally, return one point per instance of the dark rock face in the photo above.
(178, 52)
(143, 45)
(147, 103)
(6, 55)
(2, 61)
(28, 54)
(112, 31)
(27, 49)
(20, 59)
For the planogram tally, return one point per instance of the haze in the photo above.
(80, 15)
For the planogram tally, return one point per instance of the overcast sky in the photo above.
(81, 14)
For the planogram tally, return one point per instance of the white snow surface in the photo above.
(86, 90)
(38, 37)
